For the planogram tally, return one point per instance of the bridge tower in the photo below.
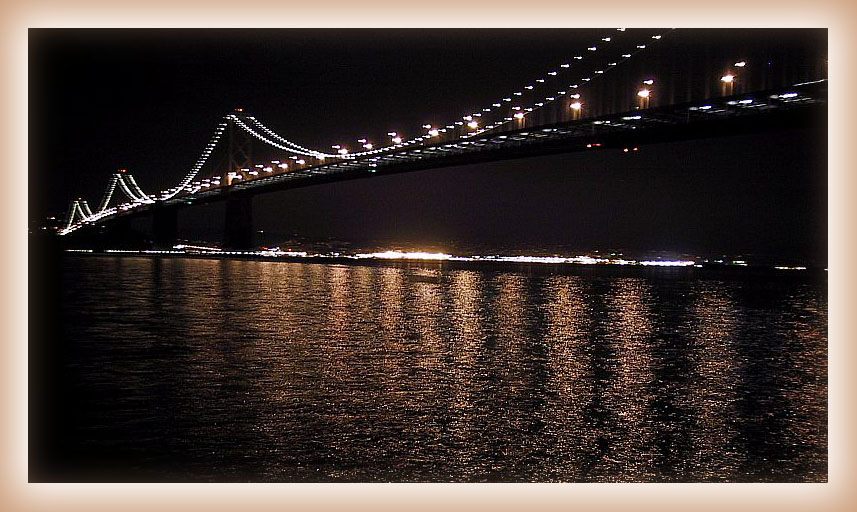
(238, 221)
(240, 148)
(165, 222)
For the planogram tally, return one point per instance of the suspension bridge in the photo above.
(623, 91)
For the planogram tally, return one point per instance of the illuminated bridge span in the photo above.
(603, 98)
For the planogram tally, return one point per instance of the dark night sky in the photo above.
(149, 100)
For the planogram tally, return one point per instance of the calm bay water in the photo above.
(222, 370)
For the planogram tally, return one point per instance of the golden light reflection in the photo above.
(716, 375)
(569, 382)
(467, 338)
(334, 372)
(805, 379)
(629, 326)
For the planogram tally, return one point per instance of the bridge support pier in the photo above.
(165, 227)
(238, 224)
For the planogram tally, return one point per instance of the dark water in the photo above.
(183, 369)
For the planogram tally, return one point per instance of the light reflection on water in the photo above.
(246, 370)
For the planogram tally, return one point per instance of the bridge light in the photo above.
(576, 105)
(643, 93)
(283, 166)
(397, 140)
(392, 134)
(434, 132)
(342, 151)
(268, 169)
(336, 146)
(361, 141)
(367, 146)
(301, 162)
(473, 124)
(740, 64)
(466, 118)
(727, 79)
(519, 115)
(648, 82)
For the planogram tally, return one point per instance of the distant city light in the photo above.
(399, 255)
(667, 263)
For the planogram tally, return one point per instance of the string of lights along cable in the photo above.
(561, 94)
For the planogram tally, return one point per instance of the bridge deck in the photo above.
(711, 117)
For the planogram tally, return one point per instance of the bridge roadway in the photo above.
(713, 117)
